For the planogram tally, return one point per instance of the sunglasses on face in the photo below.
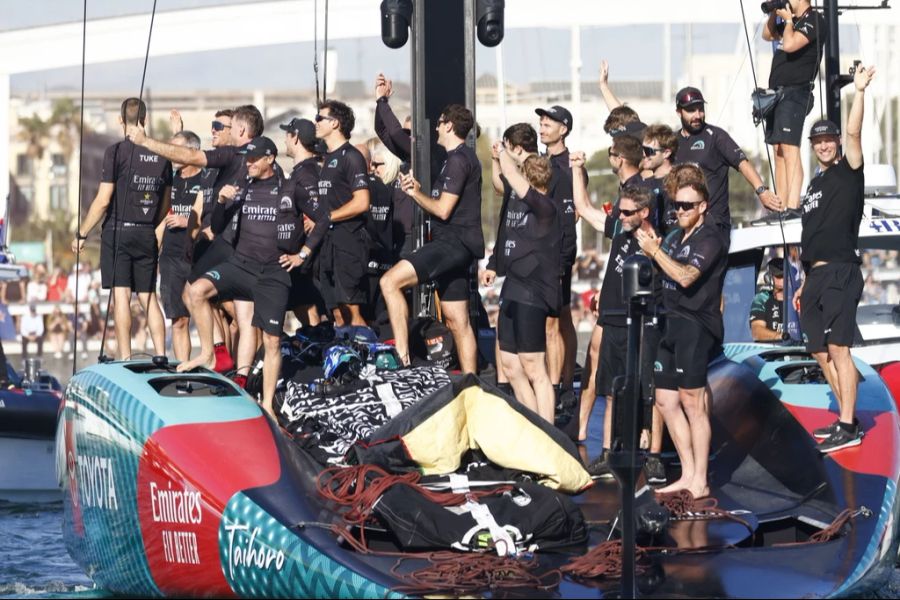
(320, 118)
(376, 164)
(650, 150)
(219, 126)
(612, 153)
(629, 213)
(686, 206)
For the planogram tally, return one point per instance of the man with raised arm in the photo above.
(832, 210)
(392, 134)
(133, 197)
(457, 241)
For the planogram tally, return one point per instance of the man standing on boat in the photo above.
(693, 259)
(715, 151)
(457, 241)
(135, 187)
(832, 210)
(800, 37)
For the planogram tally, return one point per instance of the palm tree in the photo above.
(34, 131)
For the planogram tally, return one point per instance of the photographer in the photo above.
(800, 33)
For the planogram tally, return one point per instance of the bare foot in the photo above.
(681, 484)
(208, 361)
(699, 491)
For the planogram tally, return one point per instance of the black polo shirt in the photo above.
(832, 210)
(303, 188)
(140, 177)
(802, 66)
(461, 176)
(715, 152)
(175, 241)
(561, 190)
(344, 171)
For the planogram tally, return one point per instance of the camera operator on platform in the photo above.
(799, 32)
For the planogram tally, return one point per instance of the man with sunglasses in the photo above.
(693, 259)
(832, 210)
(344, 188)
(715, 151)
(635, 205)
(562, 342)
(457, 241)
(660, 146)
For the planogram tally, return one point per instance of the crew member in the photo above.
(829, 248)
(713, 149)
(395, 137)
(800, 33)
(659, 147)
(173, 237)
(134, 192)
(246, 124)
(258, 269)
(303, 189)
(529, 257)
(344, 188)
(693, 260)
(622, 119)
(457, 241)
(766, 318)
(562, 341)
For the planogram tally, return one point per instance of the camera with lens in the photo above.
(771, 6)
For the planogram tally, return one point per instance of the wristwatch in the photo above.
(78, 236)
(303, 255)
(761, 189)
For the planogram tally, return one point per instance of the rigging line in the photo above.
(116, 225)
(316, 49)
(820, 75)
(735, 80)
(80, 173)
(325, 69)
(784, 245)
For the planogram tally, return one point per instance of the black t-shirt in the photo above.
(209, 196)
(344, 171)
(613, 310)
(380, 220)
(706, 250)
(530, 250)
(461, 176)
(231, 170)
(561, 190)
(802, 66)
(715, 151)
(832, 210)
(140, 177)
(175, 242)
(766, 308)
(258, 206)
(303, 189)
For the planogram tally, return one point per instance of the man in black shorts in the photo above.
(174, 242)
(800, 36)
(246, 124)
(562, 342)
(303, 188)
(457, 241)
(254, 270)
(766, 318)
(713, 149)
(693, 260)
(832, 210)
(135, 187)
(344, 188)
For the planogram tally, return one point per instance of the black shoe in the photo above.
(842, 438)
(599, 469)
(654, 470)
(824, 432)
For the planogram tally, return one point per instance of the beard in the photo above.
(691, 129)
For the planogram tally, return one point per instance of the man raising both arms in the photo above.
(135, 186)
(457, 241)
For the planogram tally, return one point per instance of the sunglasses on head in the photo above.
(629, 213)
(219, 126)
(686, 206)
(650, 150)
(320, 118)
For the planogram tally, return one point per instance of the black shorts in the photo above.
(134, 262)
(342, 267)
(521, 328)
(684, 354)
(448, 265)
(566, 285)
(267, 286)
(207, 254)
(304, 291)
(785, 124)
(828, 305)
(173, 275)
(613, 353)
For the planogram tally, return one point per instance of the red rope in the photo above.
(603, 560)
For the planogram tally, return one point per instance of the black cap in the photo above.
(688, 96)
(558, 114)
(776, 267)
(634, 129)
(823, 127)
(259, 146)
(302, 128)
